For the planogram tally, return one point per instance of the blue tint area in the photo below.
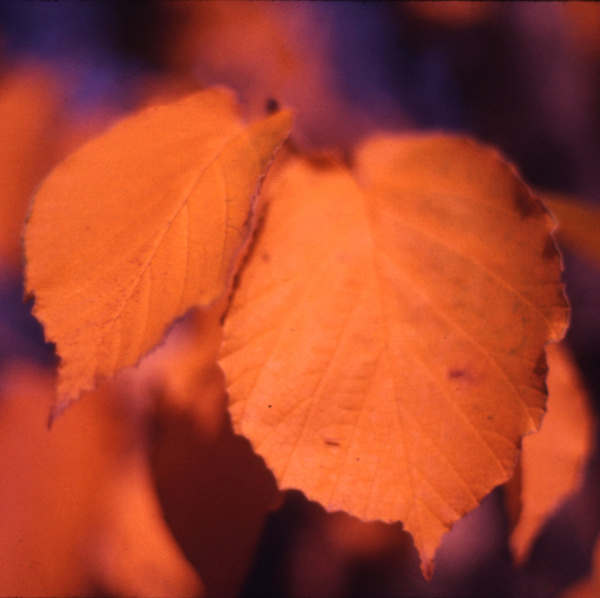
(79, 38)
(21, 335)
(55, 29)
(379, 68)
(435, 99)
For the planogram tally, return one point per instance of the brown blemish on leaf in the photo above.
(526, 204)
(456, 373)
(332, 442)
(541, 366)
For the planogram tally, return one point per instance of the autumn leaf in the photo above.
(552, 459)
(139, 225)
(134, 548)
(384, 349)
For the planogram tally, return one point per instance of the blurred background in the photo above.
(144, 518)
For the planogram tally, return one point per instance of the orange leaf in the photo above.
(139, 225)
(384, 349)
(552, 459)
(581, 22)
(77, 505)
(133, 550)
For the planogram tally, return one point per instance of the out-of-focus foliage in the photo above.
(552, 461)
(79, 509)
(523, 76)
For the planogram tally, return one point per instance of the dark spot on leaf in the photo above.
(272, 106)
(332, 442)
(523, 204)
(526, 204)
(455, 373)
(265, 257)
(270, 406)
(541, 366)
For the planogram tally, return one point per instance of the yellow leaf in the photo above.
(384, 350)
(552, 459)
(141, 224)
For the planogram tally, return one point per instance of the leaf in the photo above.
(74, 500)
(384, 349)
(47, 492)
(141, 224)
(552, 459)
(578, 224)
(134, 552)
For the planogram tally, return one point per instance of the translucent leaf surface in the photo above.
(139, 225)
(384, 350)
